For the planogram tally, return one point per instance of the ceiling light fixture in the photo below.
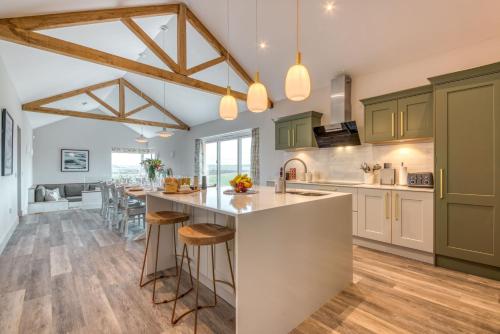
(257, 100)
(141, 139)
(329, 6)
(298, 82)
(263, 45)
(164, 133)
(228, 108)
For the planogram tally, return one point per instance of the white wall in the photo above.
(8, 184)
(342, 163)
(99, 137)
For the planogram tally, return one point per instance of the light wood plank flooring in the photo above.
(65, 272)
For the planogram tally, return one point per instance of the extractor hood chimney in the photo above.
(343, 131)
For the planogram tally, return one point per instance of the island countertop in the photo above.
(214, 199)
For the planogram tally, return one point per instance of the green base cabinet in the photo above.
(399, 116)
(467, 142)
(296, 131)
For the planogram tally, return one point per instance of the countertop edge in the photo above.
(364, 186)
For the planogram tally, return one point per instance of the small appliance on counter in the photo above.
(422, 180)
(387, 174)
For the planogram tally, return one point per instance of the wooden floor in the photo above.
(65, 272)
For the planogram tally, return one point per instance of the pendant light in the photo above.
(228, 108)
(257, 93)
(141, 139)
(297, 82)
(164, 133)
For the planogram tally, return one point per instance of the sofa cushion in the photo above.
(93, 186)
(73, 189)
(52, 195)
(74, 198)
(54, 186)
(40, 194)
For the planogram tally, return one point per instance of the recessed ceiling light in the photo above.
(142, 54)
(329, 6)
(164, 27)
(263, 45)
(84, 103)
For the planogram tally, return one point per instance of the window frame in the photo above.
(240, 135)
(142, 173)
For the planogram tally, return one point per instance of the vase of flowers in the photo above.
(153, 168)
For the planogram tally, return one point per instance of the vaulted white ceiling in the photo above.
(360, 36)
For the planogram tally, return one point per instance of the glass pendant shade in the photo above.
(257, 96)
(164, 133)
(228, 108)
(297, 83)
(141, 139)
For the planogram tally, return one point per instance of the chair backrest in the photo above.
(122, 197)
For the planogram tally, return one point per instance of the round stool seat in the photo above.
(205, 234)
(166, 217)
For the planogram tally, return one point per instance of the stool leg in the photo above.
(197, 290)
(175, 251)
(213, 275)
(230, 266)
(184, 249)
(156, 262)
(145, 254)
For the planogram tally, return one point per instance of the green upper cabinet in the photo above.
(380, 121)
(399, 116)
(296, 131)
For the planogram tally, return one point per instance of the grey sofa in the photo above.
(70, 191)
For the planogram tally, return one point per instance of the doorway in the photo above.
(19, 176)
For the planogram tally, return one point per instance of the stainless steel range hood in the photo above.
(343, 131)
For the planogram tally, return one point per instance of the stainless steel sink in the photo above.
(306, 193)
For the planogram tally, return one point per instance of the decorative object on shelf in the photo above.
(153, 167)
(228, 108)
(241, 183)
(257, 94)
(298, 82)
(74, 160)
(7, 143)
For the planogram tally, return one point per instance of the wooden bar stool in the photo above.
(159, 219)
(203, 235)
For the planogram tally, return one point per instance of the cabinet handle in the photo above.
(396, 207)
(288, 137)
(402, 131)
(392, 120)
(387, 213)
(293, 137)
(441, 175)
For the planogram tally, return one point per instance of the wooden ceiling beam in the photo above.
(205, 65)
(151, 44)
(47, 43)
(121, 97)
(60, 20)
(182, 39)
(155, 104)
(72, 93)
(60, 112)
(136, 110)
(102, 103)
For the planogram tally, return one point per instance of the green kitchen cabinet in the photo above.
(415, 118)
(296, 131)
(380, 121)
(399, 116)
(467, 141)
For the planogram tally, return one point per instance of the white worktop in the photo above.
(214, 199)
(354, 184)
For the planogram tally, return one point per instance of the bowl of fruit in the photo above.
(241, 183)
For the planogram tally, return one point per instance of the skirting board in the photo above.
(7, 236)
(396, 250)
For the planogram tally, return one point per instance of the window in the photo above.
(226, 156)
(128, 164)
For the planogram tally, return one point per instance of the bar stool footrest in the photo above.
(200, 307)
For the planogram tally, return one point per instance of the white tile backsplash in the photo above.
(342, 163)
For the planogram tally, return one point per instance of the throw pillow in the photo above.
(52, 195)
(40, 194)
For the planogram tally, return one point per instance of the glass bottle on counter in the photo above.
(278, 185)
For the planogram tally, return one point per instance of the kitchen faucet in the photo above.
(284, 171)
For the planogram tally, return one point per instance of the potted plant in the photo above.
(153, 168)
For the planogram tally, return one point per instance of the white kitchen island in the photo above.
(291, 254)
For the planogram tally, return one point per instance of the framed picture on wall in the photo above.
(74, 160)
(7, 143)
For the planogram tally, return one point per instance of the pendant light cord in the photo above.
(163, 48)
(256, 36)
(228, 39)
(298, 28)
